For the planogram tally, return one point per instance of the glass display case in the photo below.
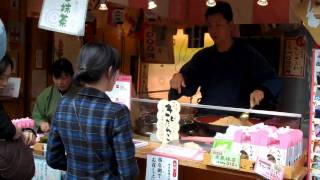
(216, 118)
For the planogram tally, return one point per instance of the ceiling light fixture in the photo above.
(211, 3)
(103, 5)
(262, 2)
(152, 4)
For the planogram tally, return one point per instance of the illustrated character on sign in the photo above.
(271, 158)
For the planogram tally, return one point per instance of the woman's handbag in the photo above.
(16, 160)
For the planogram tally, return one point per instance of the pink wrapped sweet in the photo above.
(24, 123)
(260, 137)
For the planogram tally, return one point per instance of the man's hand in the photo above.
(44, 126)
(177, 82)
(28, 138)
(256, 97)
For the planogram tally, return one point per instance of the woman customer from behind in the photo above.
(94, 132)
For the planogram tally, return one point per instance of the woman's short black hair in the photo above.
(61, 66)
(222, 8)
(94, 60)
(4, 63)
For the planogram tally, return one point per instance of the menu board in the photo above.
(314, 128)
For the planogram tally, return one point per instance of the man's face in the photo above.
(219, 28)
(5, 77)
(63, 83)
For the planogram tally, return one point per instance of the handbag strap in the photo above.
(84, 134)
(87, 140)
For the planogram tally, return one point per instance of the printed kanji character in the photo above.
(168, 106)
(65, 7)
(63, 20)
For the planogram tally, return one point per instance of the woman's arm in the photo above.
(123, 145)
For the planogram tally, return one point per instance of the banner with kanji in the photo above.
(293, 62)
(64, 16)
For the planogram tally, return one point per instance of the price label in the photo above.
(268, 169)
(223, 154)
(159, 168)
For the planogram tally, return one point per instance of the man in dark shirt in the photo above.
(230, 73)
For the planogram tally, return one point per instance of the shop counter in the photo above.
(188, 169)
(191, 170)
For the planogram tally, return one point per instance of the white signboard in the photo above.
(65, 16)
(12, 89)
(160, 168)
(168, 121)
(121, 92)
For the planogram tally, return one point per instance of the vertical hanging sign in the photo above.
(65, 16)
(168, 121)
(293, 64)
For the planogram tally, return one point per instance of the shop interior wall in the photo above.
(13, 14)
(295, 90)
(39, 55)
(45, 47)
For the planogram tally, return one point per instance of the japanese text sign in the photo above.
(65, 16)
(294, 58)
(168, 121)
(268, 169)
(160, 168)
(121, 91)
(224, 153)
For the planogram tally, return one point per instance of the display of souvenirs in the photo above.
(314, 131)
(282, 146)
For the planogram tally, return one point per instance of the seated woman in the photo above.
(46, 103)
(91, 136)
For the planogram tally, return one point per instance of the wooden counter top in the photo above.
(141, 154)
(191, 170)
(144, 151)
